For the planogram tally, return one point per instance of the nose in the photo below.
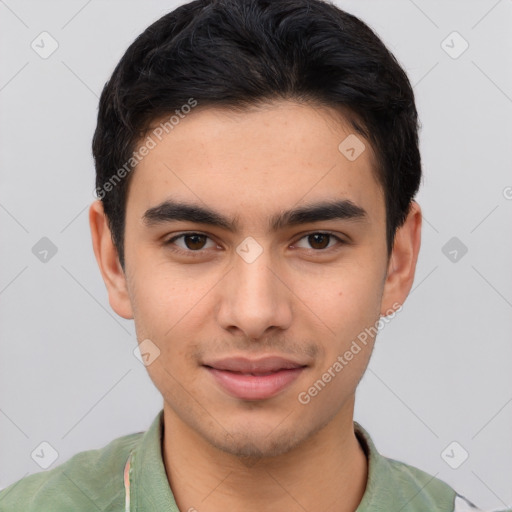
(254, 298)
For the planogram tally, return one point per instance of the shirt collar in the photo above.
(377, 470)
(149, 486)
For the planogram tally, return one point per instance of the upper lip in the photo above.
(262, 365)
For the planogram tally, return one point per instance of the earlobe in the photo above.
(108, 261)
(402, 264)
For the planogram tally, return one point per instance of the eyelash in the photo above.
(200, 252)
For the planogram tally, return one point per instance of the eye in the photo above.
(190, 242)
(319, 241)
(194, 244)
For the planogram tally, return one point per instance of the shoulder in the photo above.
(90, 480)
(421, 491)
(395, 485)
(429, 492)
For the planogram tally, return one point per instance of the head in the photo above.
(256, 167)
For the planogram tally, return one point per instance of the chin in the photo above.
(251, 446)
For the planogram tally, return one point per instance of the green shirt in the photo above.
(128, 474)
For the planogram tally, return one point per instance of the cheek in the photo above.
(159, 293)
(167, 314)
(344, 299)
(170, 308)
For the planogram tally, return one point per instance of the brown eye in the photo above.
(190, 242)
(194, 242)
(319, 241)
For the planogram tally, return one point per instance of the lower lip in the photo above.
(254, 387)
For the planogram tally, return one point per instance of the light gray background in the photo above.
(441, 370)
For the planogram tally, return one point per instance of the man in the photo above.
(257, 163)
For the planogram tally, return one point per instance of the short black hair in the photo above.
(241, 53)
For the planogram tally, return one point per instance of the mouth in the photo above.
(260, 379)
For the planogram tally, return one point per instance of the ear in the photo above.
(402, 263)
(108, 261)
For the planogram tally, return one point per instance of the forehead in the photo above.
(254, 162)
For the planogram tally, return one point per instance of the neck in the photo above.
(327, 472)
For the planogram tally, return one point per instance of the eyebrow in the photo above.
(171, 210)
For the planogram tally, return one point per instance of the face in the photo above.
(246, 303)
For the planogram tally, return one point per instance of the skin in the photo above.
(295, 299)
